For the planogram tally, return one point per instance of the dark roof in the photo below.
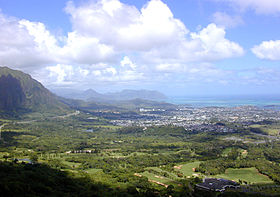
(216, 184)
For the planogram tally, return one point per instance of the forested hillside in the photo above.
(21, 93)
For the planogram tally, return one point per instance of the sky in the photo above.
(178, 47)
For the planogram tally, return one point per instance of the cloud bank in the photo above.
(114, 42)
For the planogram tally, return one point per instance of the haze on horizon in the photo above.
(179, 47)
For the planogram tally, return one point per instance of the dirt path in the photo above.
(159, 183)
(159, 177)
(136, 174)
(152, 181)
(178, 167)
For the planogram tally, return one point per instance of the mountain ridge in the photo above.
(126, 94)
(20, 92)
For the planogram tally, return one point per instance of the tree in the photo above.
(34, 157)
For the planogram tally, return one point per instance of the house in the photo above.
(218, 185)
(25, 161)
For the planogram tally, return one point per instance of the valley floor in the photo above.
(139, 161)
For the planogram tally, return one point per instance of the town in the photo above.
(200, 118)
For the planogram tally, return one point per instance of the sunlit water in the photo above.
(226, 101)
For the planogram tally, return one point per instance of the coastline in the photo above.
(226, 101)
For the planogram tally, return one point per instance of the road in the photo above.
(62, 116)
(1, 127)
(27, 121)
(30, 121)
(271, 137)
(68, 115)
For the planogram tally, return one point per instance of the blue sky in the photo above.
(182, 47)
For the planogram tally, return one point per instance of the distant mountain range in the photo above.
(115, 105)
(19, 92)
(92, 95)
(126, 100)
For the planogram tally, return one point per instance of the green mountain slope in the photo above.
(19, 92)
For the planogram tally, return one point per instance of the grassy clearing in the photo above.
(243, 152)
(250, 175)
(273, 129)
(157, 178)
(92, 126)
(101, 177)
(171, 175)
(26, 137)
(71, 164)
(226, 152)
(93, 170)
(187, 169)
(2, 154)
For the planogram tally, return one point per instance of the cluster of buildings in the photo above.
(81, 151)
(217, 185)
(201, 119)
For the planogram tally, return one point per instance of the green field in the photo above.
(71, 164)
(157, 178)
(273, 129)
(170, 175)
(250, 175)
(187, 169)
(93, 170)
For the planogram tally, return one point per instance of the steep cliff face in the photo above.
(11, 93)
(19, 91)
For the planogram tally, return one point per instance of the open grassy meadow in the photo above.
(160, 180)
(250, 175)
(93, 170)
(188, 168)
(273, 129)
(160, 171)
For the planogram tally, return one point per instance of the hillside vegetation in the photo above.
(21, 93)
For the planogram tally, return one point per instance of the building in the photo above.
(217, 185)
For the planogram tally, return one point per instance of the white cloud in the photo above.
(153, 31)
(85, 50)
(169, 67)
(64, 74)
(124, 26)
(225, 20)
(41, 36)
(24, 43)
(260, 6)
(61, 74)
(151, 37)
(27, 45)
(115, 42)
(213, 44)
(111, 70)
(268, 50)
(207, 45)
(126, 62)
(83, 72)
(129, 71)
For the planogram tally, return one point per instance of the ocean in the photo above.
(227, 101)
